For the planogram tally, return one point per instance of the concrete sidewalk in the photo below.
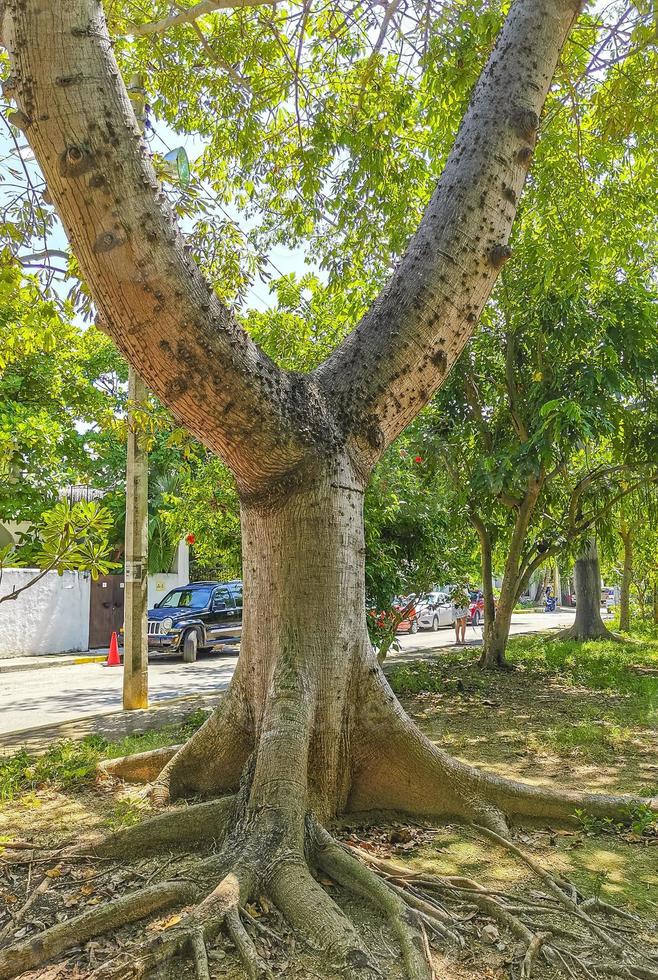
(112, 725)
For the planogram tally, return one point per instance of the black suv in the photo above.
(196, 617)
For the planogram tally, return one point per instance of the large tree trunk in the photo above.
(588, 624)
(627, 575)
(309, 715)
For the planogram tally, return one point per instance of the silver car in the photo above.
(436, 610)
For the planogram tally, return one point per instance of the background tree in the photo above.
(545, 428)
(57, 393)
(588, 624)
(566, 360)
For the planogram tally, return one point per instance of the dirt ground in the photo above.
(527, 725)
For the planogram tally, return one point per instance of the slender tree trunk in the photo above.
(655, 601)
(487, 578)
(627, 574)
(588, 624)
(557, 584)
(496, 636)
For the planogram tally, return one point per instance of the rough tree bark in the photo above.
(588, 624)
(626, 534)
(309, 725)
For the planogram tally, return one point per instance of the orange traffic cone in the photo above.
(113, 659)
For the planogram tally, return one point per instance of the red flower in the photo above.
(418, 459)
(190, 538)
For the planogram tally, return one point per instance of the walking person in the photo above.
(460, 605)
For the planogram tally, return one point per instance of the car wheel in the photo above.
(476, 618)
(190, 647)
(414, 626)
(435, 624)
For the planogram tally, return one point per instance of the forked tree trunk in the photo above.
(588, 624)
(626, 535)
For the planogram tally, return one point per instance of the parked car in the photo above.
(194, 617)
(435, 611)
(476, 608)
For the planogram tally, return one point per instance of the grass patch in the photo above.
(625, 669)
(572, 714)
(70, 764)
(417, 676)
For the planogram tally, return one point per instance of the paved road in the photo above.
(29, 698)
(521, 623)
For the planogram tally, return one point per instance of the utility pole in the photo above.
(135, 655)
(135, 650)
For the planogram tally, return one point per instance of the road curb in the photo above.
(112, 724)
(42, 663)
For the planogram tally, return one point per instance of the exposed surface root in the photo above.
(404, 771)
(571, 633)
(556, 927)
(180, 828)
(34, 952)
(254, 966)
(348, 871)
(142, 767)
(270, 846)
(569, 950)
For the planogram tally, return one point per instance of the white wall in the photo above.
(163, 582)
(50, 617)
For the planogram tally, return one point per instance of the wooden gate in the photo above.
(105, 609)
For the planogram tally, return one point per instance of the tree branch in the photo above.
(151, 297)
(574, 528)
(193, 13)
(512, 390)
(391, 365)
(477, 412)
(14, 594)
